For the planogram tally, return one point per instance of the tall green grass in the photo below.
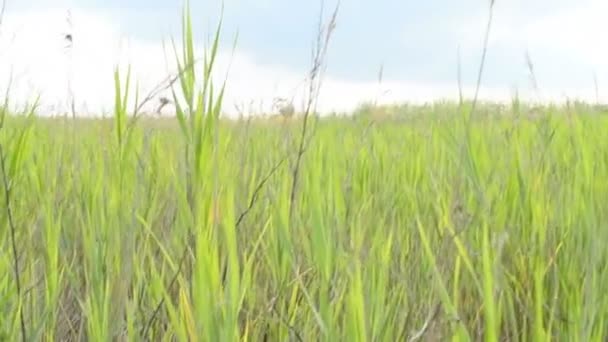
(181, 230)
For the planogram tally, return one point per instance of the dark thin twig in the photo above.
(251, 204)
(597, 91)
(483, 59)
(163, 85)
(69, 38)
(11, 223)
(2, 10)
(257, 190)
(7, 200)
(313, 89)
(286, 323)
(427, 324)
(162, 301)
(33, 286)
(467, 142)
(532, 75)
(459, 76)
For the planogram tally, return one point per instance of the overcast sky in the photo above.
(416, 42)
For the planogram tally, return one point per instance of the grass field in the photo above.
(426, 224)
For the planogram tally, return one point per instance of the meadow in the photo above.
(429, 223)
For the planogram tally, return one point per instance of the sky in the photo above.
(416, 44)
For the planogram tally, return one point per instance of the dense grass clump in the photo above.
(397, 226)
(425, 225)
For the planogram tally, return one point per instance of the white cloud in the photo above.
(576, 31)
(33, 45)
(580, 32)
(565, 40)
